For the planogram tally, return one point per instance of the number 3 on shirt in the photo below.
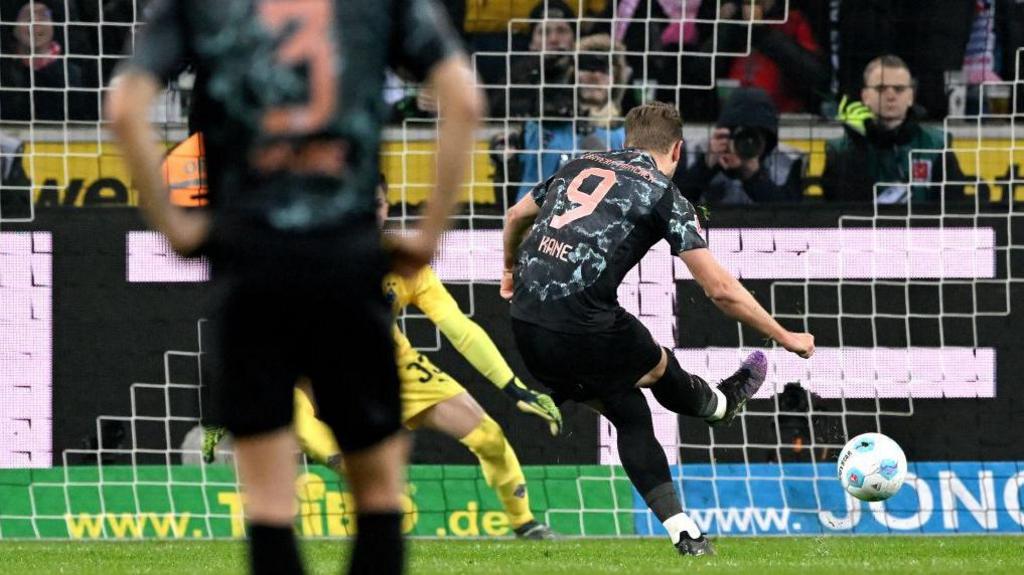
(587, 202)
(311, 43)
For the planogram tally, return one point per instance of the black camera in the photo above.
(558, 93)
(746, 142)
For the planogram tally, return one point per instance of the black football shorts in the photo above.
(585, 366)
(288, 306)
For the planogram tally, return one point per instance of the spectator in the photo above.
(600, 76)
(548, 63)
(884, 144)
(992, 37)
(785, 60)
(932, 40)
(657, 35)
(33, 83)
(556, 30)
(980, 48)
(682, 29)
(487, 26)
(743, 162)
(650, 32)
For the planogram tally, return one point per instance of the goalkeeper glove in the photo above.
(211, 437)
(539, 404)
(854, 114)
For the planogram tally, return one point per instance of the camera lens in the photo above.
(747, 142)
(558, 97)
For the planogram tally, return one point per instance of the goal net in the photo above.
(912, 304)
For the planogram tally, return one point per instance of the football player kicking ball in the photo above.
(592, 222)
(433, 400)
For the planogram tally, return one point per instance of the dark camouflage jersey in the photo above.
(289, 96)
(599, 215)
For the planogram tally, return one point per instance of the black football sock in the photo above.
(684, 393)
(379, 548)
(664, 501)
(210, 399)
(641, 454)
(273, 550)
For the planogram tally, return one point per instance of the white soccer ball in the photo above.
(872, 467)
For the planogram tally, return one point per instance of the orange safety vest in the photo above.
(184, 172)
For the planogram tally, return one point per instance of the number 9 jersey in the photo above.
(599, 215)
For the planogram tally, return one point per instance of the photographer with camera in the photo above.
(593, 121)
(742, 162)
(539, 76)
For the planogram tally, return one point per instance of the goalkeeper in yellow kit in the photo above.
(432, 399)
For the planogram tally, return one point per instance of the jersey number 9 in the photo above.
(587, 202)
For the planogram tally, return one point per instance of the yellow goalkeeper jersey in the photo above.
(426, 292)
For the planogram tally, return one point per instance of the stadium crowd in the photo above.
(560, 75)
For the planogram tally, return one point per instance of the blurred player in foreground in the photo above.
(433, 400)
(288, 100)
(592, 222)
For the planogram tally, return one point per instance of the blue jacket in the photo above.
(541, 158)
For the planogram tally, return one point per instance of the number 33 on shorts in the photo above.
(422, 370)
(424, 385)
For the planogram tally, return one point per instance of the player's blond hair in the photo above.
(655, 126)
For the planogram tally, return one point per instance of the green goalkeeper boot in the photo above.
(211, 437)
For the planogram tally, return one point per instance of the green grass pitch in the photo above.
(736, 556)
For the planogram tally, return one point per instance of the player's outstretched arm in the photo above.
(534, 403)
(479, 350)
(460, 110)
(517, 221)
(470, 340)
(729, 295)
(127, 110)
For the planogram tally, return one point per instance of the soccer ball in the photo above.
(872, 467)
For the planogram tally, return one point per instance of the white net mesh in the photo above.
(878, 282)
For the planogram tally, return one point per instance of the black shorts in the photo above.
(311, 306)
(585, 366)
